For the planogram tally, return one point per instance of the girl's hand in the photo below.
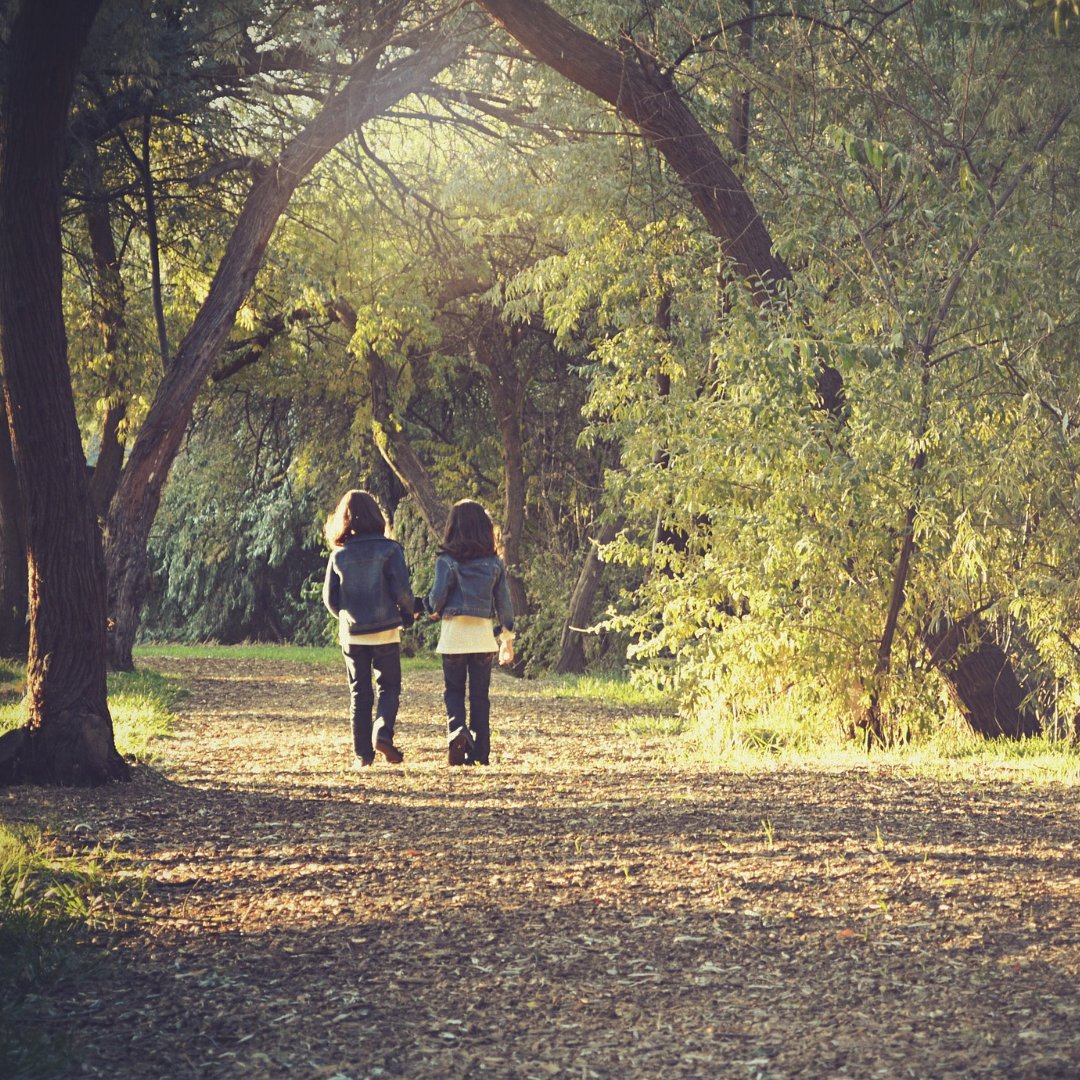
(506, 651)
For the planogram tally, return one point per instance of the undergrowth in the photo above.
(51, 906)
(773, 739)
(647, 711)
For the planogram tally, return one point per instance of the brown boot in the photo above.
(456, 751)
(389, 751)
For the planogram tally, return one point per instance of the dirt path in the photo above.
(582, 908)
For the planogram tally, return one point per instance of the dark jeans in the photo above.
(385, 661)
(474, 669)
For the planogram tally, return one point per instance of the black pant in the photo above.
(360, 661)
(474, 668)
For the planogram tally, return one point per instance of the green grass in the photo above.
(610, 689)
(649, 713)
(141, 705)
(952, 752)
(321, 655)
(210, 651)
(50, 905)
(11, 687)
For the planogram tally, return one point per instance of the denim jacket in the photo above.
(473, 587)
(368, 580)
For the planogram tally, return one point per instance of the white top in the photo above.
(466, 634)
(381, 637)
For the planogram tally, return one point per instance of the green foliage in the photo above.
(1064, 14)
(931, 246)
(236, 553)
(908, 171)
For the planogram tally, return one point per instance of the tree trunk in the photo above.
(365, 96)
(495, 351)
(981, 678)
(397, 451)
(110, 460)
(741, 114)
(634, 84)
(109, 307)
(68, 738)
(14, 628)
(572, 649)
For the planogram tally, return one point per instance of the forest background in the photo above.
(755, 327)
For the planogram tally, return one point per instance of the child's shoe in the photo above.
(389, 751)
(458, 748)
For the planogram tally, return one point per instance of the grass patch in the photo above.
(651, 725)
(953, 752)
(649, 712)
(12, 675)
(298, 654)
(141, 705)
(320, 655)
(49, 907)
(610, 689)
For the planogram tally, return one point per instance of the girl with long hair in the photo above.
(470, 590)
(367, 589)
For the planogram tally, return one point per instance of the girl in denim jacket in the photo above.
(470, 590)
(367, 588)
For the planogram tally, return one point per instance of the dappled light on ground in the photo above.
(586, 906)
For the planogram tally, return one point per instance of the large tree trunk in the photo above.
(14, 627)
(367, 94)
(572, 649)
(981, 678)
(68, 738)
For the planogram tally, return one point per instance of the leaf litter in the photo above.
(587, 906)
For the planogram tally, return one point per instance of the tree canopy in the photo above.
(777, 304)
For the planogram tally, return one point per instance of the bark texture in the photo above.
(68, 738)
(572, 647)
(14, 628)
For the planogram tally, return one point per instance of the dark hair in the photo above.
(469, 532)
(358, 514)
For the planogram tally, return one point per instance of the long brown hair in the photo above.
(469, 533)
(358, 514)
